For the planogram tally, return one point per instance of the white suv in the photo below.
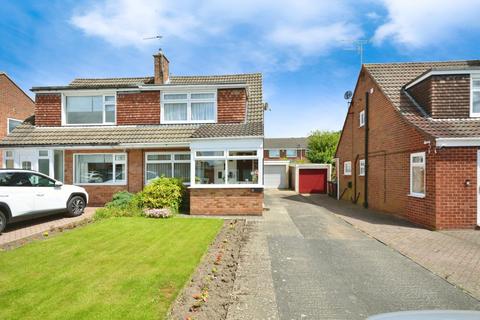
(26, 194)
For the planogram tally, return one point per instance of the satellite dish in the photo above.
(347, 95)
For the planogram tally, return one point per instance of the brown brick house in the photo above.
(119, 133)
(15, 106)
(410, 142)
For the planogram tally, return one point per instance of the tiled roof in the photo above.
(229, 130)
(279, 143)
(392, 77)
(109, 82)
(29, 135)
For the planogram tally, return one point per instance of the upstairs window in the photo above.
(12, 124)
(362, 118)
(274, 153)
(193, 107)
(90, 110)
(475, 97)
(291, 153)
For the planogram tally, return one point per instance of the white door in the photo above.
(478, 187)
(275, 177)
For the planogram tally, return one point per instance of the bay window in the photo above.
(194, 107)
(417, 174)
(100, 168)
(231, 167)
(167, 165)
(90, 110)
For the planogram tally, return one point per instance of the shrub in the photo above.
(162, 193)
(121, 199)
(111, 212)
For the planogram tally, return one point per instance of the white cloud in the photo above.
(423, 23)
(294, 29)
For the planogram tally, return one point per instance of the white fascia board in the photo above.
(439, 73)
(192, 87)
(457, 142)
(149, 88)
(227, 143)
(276, 162)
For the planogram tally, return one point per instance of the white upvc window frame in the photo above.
(114, 162)
(225, 157)
(172, 161)
(361, 168)
(362, 119)
(472, 90)
(291, 149)
(8, 124)
(8, 155)
(412, 165)
(89, 94)
(189, 102)
(347, 164)
(273, 157)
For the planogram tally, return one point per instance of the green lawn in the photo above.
(119, 268)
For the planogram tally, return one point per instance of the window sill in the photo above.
(226, 186)
(186, 122)
(416, 195)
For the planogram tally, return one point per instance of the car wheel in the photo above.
(3, 221)
(76, 206)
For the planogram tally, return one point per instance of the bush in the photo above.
(162, 193)
(121, 199)
(111, 212)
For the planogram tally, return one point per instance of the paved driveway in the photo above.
(25, 229)
(323, 268)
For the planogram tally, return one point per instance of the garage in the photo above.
(310, 178)
(275, 174)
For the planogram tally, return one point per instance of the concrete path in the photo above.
(26, 229)
(323, 268)
(453, 255)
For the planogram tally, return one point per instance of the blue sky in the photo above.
(303, 48)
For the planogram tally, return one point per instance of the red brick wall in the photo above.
(14, 103)
(444, 96)
(48, 109)
(138, 108)
(422, 93)
(241, 201)
(392, 141)
(456, 203)
(231, 105)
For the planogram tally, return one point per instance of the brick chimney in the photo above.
(161, 67)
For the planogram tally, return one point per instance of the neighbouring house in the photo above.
(15, 107)
(410, 142)
(118, 134)
(286, 166)
(278, 154)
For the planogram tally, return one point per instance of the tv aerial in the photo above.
(359, 47)
(157, 37)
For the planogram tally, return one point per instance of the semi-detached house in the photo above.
(118, 134)
(410, 144)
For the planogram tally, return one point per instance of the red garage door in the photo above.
(312, 181)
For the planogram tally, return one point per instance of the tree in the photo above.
(322, 145)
